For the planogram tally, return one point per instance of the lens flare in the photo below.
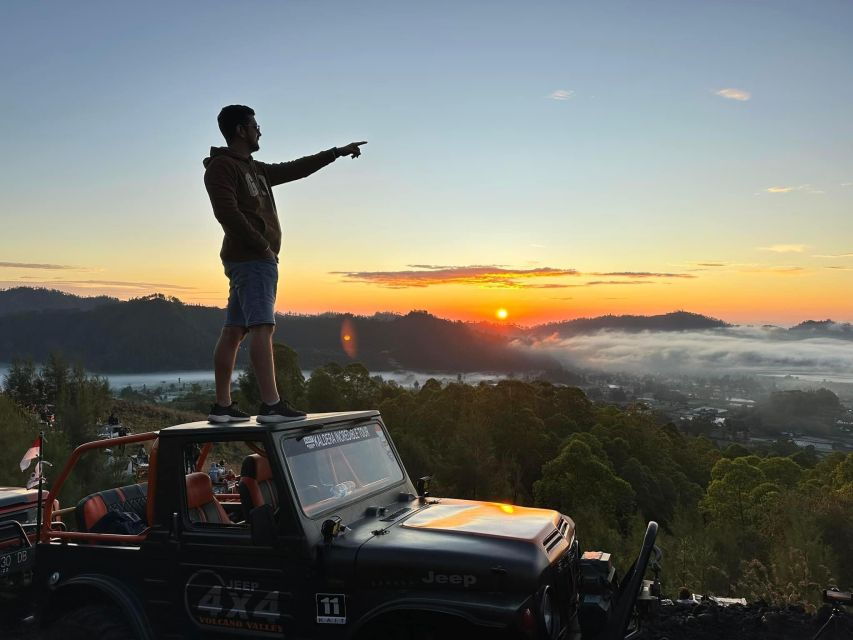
(348, 338)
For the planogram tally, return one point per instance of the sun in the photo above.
(502, 314)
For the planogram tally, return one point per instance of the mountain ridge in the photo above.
(160, 333)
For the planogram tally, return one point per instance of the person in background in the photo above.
(240, 190)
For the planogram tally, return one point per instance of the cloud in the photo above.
(745, 350)
(834, 256)
(562, 94)
(137, 285)
(734, 94)
(478, 275)
(596, 283)
(547, 286)
(644, 274)
(31, 265)
(840, 268)
(142, 286)
(428, 266)
(847, 184)
(702, 266)
(785, 248)
(805, 188)
(784, 271)
(426, 275)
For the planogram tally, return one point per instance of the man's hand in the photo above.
(352, 149)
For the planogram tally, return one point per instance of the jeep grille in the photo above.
(552, 540)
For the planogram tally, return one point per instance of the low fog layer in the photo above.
(746, 350)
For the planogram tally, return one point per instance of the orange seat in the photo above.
(256, 484)
(91, 509)
(201, 503)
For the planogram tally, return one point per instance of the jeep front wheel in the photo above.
(101, 622)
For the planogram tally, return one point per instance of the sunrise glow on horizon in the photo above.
(554, 163)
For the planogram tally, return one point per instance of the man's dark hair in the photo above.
(232, 116)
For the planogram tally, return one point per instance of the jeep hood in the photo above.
(490, 519)
(490, 545)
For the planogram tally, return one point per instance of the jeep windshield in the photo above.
(338, 465)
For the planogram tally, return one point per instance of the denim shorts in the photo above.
(251, 295)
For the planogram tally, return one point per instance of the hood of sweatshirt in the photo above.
(224, 151)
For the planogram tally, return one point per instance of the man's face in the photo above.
(252, 133)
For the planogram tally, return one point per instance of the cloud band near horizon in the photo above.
(496, 276)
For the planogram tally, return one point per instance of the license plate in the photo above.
(15, 561)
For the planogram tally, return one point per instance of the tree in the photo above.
(577, 481)
(323, 394)
(289, 381)
(20, 383)
(735, 450)
(729, 499)
(54, 374)
(783, 472)
(288, 376)
(359, 390)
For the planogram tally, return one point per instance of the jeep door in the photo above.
(228, 585)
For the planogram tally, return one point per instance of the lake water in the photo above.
(180, 379)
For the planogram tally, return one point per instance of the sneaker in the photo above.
(227, 414)
(281, 411)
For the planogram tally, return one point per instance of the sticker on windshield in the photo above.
(331, 608)
(333, 438)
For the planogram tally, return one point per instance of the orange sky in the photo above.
(549, 162)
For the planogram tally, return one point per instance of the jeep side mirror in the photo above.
(331, 528)
(262, 522)
(422, 487)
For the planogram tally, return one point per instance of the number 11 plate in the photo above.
(331, 608)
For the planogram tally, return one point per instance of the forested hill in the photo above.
(823, 329)
(156, 333)
(675, 321)
(21, 299)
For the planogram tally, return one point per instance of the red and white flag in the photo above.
(31, 454)
(37, 474)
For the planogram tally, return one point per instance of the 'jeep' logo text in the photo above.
(465, 580)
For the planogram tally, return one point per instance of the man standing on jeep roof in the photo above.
(240, 190)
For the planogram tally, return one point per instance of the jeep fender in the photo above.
(463, 611)
(112, 591)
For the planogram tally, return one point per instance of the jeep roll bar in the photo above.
(47, 533)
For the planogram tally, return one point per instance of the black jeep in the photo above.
(322, 535)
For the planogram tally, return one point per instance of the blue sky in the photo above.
(567, 135)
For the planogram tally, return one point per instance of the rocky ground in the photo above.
(755, 621)
(701, 622)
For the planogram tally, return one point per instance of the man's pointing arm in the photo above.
(281, 172)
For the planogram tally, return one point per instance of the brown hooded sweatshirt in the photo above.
(240, 191)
